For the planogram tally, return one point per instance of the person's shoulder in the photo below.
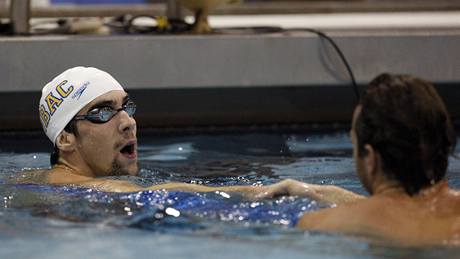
(61, 176)
(29, 176)
(109, 185)
(449, 201)
(48, 176)
(454, 194)
(334, 218)
(353, 217)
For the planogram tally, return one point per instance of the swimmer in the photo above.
(89, 118)
(401, 132)
(402, 136)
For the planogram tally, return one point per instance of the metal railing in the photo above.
(20, 11)
(20, 16)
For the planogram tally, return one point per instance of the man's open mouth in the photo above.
(129, 150)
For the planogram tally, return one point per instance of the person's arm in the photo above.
(321, 193)
(125, 186)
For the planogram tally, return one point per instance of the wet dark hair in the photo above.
(406, 122)
(71, 127)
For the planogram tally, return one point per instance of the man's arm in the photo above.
(125, 186)
(321, 193)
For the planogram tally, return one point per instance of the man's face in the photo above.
(360, 168)
(108, 148)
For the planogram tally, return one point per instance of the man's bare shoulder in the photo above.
(343, 218)
(401, 218)
(57, 175)
(110, 185)
(37, 176)
(54, 175)
(449, 201)
(60, 176)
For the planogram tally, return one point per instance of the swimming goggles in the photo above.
(106, 113)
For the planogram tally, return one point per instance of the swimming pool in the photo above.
(57, 222)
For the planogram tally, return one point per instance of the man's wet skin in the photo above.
(88, 117)
(428, 216)
(98, 150)
(97, 147)
(101, 149)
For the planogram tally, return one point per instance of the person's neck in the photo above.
(389, 189)
(384, 186)
(72, 169)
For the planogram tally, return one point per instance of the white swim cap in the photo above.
(68, 93)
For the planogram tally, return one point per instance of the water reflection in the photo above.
(213, 220)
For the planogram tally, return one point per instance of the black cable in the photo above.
(341, 55)
(233, 30)
(126, 24)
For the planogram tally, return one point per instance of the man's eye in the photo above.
(101, 109)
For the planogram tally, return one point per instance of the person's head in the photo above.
(88, 117)
(403, 120)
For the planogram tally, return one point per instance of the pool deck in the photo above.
(241, 78)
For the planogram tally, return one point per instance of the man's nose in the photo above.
(127, 123)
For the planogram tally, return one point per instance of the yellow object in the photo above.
(162, 22)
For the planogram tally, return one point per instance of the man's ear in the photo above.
(371, 159)
(66, 141)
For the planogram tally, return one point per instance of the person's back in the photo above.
(431, 217)
(402, 137)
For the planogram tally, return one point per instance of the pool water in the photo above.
(55, 222)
